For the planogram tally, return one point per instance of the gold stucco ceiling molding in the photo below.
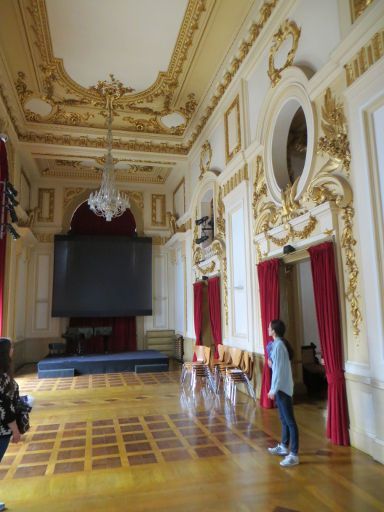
(54, 72)
(288, 29)
(245, 47)
(100, 142)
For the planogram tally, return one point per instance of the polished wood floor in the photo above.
(126, 442)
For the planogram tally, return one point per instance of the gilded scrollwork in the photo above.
(348, 242)
(220, 218)
(292, 233)
(156, 100)
(335, 141)
(286, 30)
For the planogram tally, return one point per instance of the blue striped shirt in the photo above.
(281, 369)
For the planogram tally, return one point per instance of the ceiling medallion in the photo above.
(286, 30)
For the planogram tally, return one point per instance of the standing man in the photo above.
(282, 391)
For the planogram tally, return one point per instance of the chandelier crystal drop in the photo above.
(108, 202)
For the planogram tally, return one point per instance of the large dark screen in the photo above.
(102, 276)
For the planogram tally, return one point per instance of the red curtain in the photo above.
(198, 309)
(268, 274)
(3, 177)
(123, 337)
(215, 310)
(85, 222)
(328, 320)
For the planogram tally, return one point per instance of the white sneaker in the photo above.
(290, 460)
(279, 449)
(2, 506)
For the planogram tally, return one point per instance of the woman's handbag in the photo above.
(22, 410)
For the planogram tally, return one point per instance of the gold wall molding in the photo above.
(122, 176)
(138, 197)
(100, 142)
(330, 183)
(292, 233)
(231, 150)
(365, 58)
(45, 237)
(220, 216)
(46, 204)
(158, 201)
(235, 180)
(253, 34)
(205, 158)
(287, 29)
(358, 7)
(70, 193)
(348, 242)
(181, 184)
(335, 140)
(159, 240)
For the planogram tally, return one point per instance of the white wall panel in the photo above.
(160, 292)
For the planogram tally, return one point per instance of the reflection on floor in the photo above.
(140, 442)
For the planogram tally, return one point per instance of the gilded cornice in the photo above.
(253, 34)
(365, 58)
(235, 180)
(75, 170)
(100, 142)
(358, 7)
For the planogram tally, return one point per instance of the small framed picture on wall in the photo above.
(232, 130)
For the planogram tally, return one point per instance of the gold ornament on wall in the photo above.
(335, 142)
(348, 242)
(205, 158)
(158, 210)
(286, 30)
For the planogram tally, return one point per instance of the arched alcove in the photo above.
(85, 222)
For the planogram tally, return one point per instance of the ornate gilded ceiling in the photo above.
(165, 58)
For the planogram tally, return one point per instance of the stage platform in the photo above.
(67, 366)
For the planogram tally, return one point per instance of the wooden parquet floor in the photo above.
(126, 442)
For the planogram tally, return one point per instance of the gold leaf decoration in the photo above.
(335, 142)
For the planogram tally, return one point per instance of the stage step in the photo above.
(162, 340)
(146, 368)
(59, 372)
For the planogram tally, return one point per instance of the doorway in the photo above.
(297, 307)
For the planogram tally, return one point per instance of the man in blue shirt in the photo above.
(282, 391)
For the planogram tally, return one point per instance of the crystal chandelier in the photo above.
(107, 202)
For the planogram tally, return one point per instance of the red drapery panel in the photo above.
(215, 311)
(198, 309)
(3, 177)
(85, 222)
(268, 274)
(328, 320)
(123, 337)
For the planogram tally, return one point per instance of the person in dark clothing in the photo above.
(9, 391)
